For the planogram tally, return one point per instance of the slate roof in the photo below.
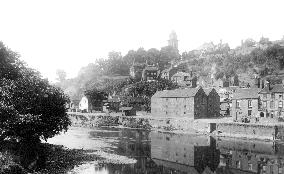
(278, 88)
(177, 93)
(246, 93)
(181, 74)
(125, 108)
(265, 90)
(151, 68)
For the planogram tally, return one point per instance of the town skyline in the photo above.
(70, 34)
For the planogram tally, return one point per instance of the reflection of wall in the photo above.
(196, 151)
(246, 156)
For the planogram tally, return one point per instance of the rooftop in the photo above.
(246, 93)
(177, 93)
(278, 88)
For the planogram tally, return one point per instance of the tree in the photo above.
(30, 107)
(61, 75)
(168, 54)
(146, 90)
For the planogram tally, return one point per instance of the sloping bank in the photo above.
(214, 127)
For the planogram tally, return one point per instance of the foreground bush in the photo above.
(30, 108)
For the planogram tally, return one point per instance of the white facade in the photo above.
(84, 104)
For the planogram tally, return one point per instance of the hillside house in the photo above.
(168, 73)
(128, 111)
(185, 79)
(73, 106)
(85, 104)
(245, 104)
(150, 73)
(213, 102)
(272, 101)
(189, 102)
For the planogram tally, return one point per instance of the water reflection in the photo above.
(180, 154)
(164, 153)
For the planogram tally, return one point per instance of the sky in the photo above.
(70, 34)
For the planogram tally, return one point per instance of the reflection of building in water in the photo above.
(184, 153)
(243, 156)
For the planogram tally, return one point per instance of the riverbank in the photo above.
(218, 127)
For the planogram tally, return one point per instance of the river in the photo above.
(131, 151)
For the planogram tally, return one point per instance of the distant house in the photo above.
(168, 73)
(245, 104)
(150, 73)
(136, 70)
(85, 104)
(190, 102)
(213, 102)
(272, 101)
(74, 105)
(185, 79)
(128, 111)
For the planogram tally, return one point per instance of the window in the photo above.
(237, 104)
(238, 164)
(271, 104)
(265, 96)
(264, 104)
(249, 104)
(249, 112)
(273, 96)
(280, 97)
(280, 104)
(250, 166)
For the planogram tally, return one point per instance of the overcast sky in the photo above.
(69, 34)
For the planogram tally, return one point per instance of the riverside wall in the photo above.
(181, 125)
(253, 131)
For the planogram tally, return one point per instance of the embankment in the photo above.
(215, 127)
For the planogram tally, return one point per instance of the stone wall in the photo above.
(247, 130)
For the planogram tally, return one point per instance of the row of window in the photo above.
(249, 104)
(272, 104)
(265, 96)
(264, 104)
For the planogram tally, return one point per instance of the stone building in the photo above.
(213, 102)
(189, 102)
(185, 79)
(272, 101)
(73, 106)
(168, 73)
(150, 73)
(245, 104)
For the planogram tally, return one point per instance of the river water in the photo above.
(130, 151)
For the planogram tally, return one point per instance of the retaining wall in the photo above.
(247, 130)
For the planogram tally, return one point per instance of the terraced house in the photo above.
(245, 104)
(272, 101)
